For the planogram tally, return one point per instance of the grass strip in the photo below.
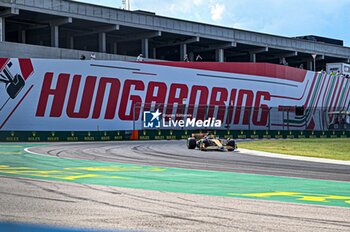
(338, 148)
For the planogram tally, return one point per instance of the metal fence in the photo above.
(183, 116)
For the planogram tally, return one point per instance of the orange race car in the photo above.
(208, 142)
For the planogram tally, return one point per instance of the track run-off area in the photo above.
(199, 190)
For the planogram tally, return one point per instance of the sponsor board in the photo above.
(74, 95)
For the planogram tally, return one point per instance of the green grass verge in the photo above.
(321, 148)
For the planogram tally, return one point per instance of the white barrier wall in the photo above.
(67, 95)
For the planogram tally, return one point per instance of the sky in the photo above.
(328, 18)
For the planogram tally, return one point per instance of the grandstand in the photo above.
(62, 29)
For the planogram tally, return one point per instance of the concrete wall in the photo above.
(17, 50)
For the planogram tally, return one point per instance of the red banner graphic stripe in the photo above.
(310, 91)
(341, 89)
(256, 69)
(3, 62)
(331, 103)
(26, 67)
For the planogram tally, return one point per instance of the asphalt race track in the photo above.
(176, 154)
(122, 186)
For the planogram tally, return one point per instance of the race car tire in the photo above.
(203, 144)
(191, 143)
(206, 143)
(232, 144)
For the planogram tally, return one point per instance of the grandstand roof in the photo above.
(69, 27)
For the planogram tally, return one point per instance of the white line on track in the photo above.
(301, 158)
(250, 152)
